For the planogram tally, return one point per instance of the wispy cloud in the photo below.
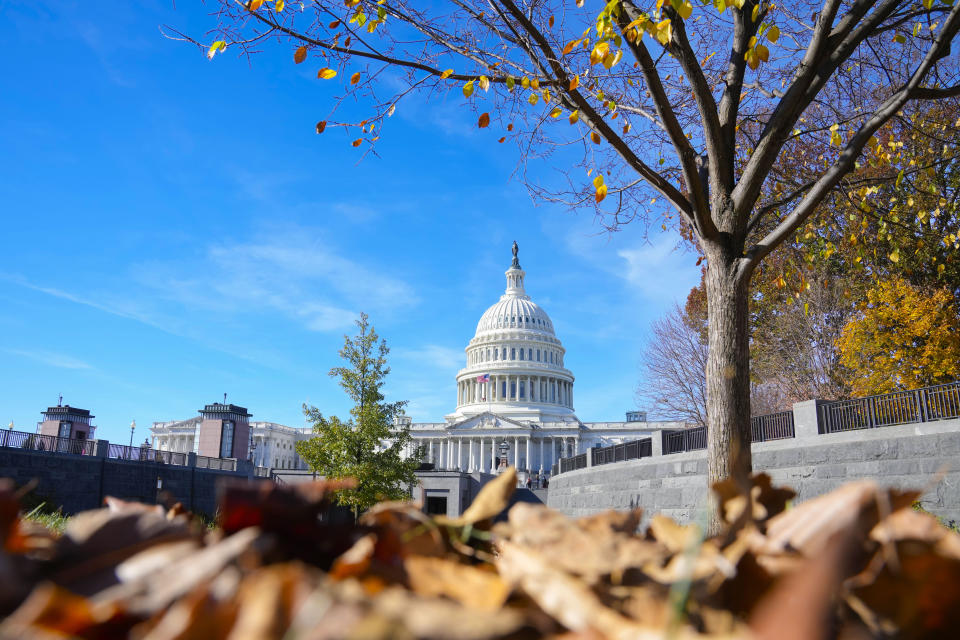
(51, 358)
(294, 273)
(659, 270)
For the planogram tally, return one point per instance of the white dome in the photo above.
(514, 362)
(515, 312)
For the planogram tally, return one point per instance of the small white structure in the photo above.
(516, 389)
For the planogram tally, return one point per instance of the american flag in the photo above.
(484, 378)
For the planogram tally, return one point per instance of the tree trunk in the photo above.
(728, 373)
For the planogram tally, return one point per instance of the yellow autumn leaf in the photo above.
(773, 33)
(664, 31)
(484, 83)
(355, 78)
(218, 46)
(598, 180)
(278, 6)
(600, 193)
(326, 73)
(468, 89)
(599, 52)
(595, 137)
(574, 116)
(574, 82)
(555, 112)
(763, 53)
(446, 74)
(255, 5)
(534, 98)
(685, 9)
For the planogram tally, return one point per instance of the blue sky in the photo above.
(173, 229)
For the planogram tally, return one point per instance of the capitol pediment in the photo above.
(487, 420)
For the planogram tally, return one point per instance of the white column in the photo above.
(516, 452)
(483, 462)
(470, 464)
(541, 455)
(529, 390)
(527, 464)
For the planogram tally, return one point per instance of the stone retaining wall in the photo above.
(78, 483)
(923, 456)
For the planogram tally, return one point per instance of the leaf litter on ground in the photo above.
(855, 563)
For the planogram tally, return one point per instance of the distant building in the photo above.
(223, 427)
(67, 422)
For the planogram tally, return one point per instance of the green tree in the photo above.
(369, 446)
(719, 98)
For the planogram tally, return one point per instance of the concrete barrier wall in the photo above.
(77, 483)
(923, 456)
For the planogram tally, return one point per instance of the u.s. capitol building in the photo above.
(516, 390)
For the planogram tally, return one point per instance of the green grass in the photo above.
(53, 520)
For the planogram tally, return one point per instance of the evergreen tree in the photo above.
(368, 446)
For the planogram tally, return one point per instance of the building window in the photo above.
(503, 390)
(523, 390)
(521, 354)
(226, 439)
(529, 354)
(436, 505)
(538, 355)
(513, 390)
(551, 357)
(65, 429)
(513, 354)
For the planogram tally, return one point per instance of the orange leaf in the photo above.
(355, 78)
(484, 120)
(334, 24)
(574, 82)
(300, 55)
(595, 137)
(321, 126)
(502, 139)
(326, 73)
(357, 142)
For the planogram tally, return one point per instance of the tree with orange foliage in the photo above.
(902, 338)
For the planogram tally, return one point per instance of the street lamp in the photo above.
(133, 425)
(10, 426)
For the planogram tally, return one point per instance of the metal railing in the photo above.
(773, 426)
(679, 440)
(633, 450)
(900, 407)
(146, 454)
(217, 464)
(261, 472)
(572, 463)
(55, 444)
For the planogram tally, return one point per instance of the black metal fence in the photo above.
(773, 426)
(901, 407)
(37, 442)
(146, 454)
(574, 462)
(632, 450)
(676, 441)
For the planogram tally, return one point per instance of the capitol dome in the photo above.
(514, 362)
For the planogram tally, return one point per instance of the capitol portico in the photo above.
(516, 390)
